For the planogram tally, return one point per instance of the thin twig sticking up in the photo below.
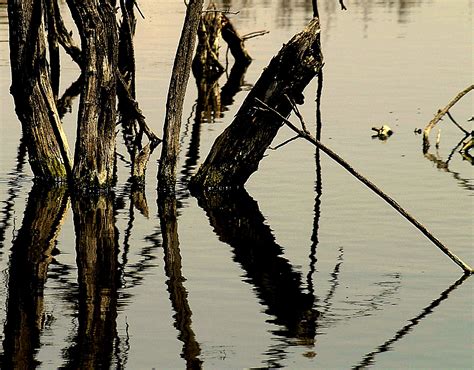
(440, 115)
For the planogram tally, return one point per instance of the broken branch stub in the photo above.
(237, 152)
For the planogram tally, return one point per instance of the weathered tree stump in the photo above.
(34, 98)
(95, 145)
(237, 152)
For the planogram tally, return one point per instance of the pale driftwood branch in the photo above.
(441, 113)
(307, 136)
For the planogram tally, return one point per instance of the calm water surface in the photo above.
(305, 268)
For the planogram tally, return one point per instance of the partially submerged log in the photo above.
(237, 152)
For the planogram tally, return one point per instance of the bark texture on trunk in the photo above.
(175, 100)
(31, 89)
(237, 152)
(95, 144)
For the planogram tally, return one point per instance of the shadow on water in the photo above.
(31, 254)
(238, 222)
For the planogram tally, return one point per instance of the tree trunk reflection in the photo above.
(31, 255)
(237, 221)
(96, 248)
(176, 289)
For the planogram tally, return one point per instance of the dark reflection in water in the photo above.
(31, 254)
(443, 165)
(14, 188)
(237, 221)
(96, 255)
(178, 295)
(369, 358)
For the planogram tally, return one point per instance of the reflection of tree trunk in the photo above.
(237, 152)
(238, 222)
(368, 359)
(178, 293)
(234, 83)
(31, 255)
(34, 98)
(96, 248)
(95, 143)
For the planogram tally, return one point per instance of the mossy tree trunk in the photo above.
(95, 145)
(237, 152)
(34, 98)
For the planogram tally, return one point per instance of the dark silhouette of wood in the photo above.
(237, 152)
(33, 95)
(32, 252)
(174, 104)
(237, 221)
(95, 144)
(235, 42)
(98, 280)
(178, 294)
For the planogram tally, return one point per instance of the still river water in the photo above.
(306, 268)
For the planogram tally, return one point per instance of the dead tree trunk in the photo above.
(31, 89)
(237, 152)
(95, 144)
(176, 92)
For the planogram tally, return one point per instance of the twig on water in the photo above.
(307, 136)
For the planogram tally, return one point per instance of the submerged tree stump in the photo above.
(34, 98)
(95, 145)
(237, 152)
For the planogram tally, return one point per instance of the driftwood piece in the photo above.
(175, 100)
(307, 136)
(440, 114)
(237, 152)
